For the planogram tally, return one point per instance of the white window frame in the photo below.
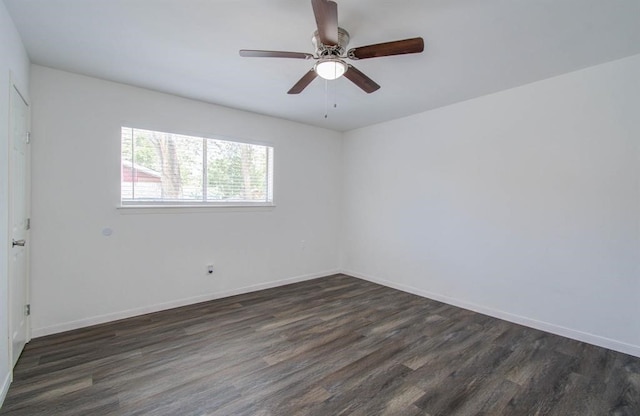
(173, 205)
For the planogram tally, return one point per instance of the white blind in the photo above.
(161, 168)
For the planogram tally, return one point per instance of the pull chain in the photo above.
(326, 98)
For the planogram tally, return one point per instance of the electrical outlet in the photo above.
(303, 244)
(210, 269)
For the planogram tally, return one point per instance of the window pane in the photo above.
(236, 172)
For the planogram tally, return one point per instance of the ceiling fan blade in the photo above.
(303, 82)
(398, 47)
(326, 13)
(250, 53)
(361, 80)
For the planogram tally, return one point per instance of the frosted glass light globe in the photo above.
(330, 68)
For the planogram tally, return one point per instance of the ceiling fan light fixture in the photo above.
(331, 68)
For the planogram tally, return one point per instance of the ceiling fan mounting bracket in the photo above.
(323, 51)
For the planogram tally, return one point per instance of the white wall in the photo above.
(523, 204)
(14, 60)
(157, 260)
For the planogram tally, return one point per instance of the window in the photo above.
(162, 169)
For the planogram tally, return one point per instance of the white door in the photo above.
(18, 222)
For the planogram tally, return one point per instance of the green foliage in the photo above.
(146, 153)
(226, 178)
(126, 145)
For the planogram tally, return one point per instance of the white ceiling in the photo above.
(190, 48)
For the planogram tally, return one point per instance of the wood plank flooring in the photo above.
(330, 346)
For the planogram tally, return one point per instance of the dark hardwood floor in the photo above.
(330, 346)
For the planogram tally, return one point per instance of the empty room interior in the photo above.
(309, 207)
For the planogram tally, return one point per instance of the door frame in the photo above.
(13, 86)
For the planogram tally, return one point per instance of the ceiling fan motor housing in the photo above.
(323, 50)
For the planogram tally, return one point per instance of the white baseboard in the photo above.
(589, 338)
(5, 387)
(95, 320)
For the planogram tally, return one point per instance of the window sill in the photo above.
(188, 209)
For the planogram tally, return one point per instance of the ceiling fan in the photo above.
(330, 42)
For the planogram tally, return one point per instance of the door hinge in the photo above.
(28, 137)
(27, 309)
(28, 226)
